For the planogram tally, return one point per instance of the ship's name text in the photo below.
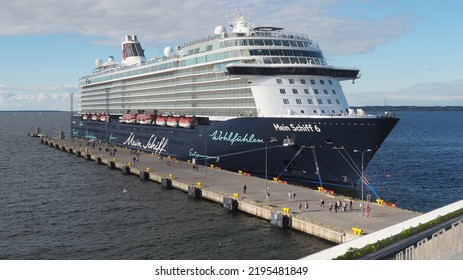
(297, 127)
(233, 137)
(152, 144)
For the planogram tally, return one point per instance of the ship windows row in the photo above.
(303, 81)
(310, 101)
(307, 91)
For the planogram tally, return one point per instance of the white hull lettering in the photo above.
(152, 144)
(233, 137)
(297, 127)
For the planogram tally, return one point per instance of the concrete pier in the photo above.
(226, 188)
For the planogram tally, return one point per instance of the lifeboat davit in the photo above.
(172, 121)
(186, 122)
(145, 118)
(161, 120)
(130, 118)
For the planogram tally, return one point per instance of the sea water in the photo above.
(55, 205)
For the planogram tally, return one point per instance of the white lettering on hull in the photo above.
(297, 127)
(153, 144)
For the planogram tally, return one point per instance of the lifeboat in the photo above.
(186, 122)
(129, 118)
(85, 116)
(161, 120)
(145, 118)
(172, 121)
(104, 117)
(95, 117)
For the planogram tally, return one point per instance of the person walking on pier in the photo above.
(331, 207)
(267, 195)
(290, 195)
(300, 206)
(350, 205)
(322, 202)
(244, 189)
(306, 206)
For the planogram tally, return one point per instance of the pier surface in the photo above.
(216, 185)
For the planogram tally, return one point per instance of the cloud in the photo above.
(178, 21)
(36, 97)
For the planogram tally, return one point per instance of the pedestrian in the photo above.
(344, 206)
(294, 196)
(290, 195)
(194, 166)
(350, 204)
(134, 158)
(368, 210)
(331, 207)
(300, 206)
(268, 194)
(322, 202)
(306, 206)
(244, 189)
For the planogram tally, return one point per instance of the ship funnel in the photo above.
(132, 52)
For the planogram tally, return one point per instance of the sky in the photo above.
(409, 51)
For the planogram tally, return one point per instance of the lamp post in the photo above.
(362, 178)
(107, 114)
(205, 152)
(272, 139)
(71, 94)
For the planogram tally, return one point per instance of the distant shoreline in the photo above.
(381, 108)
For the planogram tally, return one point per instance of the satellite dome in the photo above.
(98, 62)
(219, 30)
(168, 51)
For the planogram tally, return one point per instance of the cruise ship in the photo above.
(258, 100)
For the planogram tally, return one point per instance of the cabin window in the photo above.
(322, 82)
(316, 91)
(295, 91)
(325, 91)
(306, 91)
(320, 101)
(330, 102)
(282, 91)
(286, 101)
(333, 91)
(312, 82)
(298, 101)
(303, 81)
(310, 101)
(291, 81)
(279, 81)
(330, 82)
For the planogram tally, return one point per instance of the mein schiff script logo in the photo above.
(297, 127)
(152, 144)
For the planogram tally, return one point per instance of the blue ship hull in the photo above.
(309, 152)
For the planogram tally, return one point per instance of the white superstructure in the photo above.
(261, 72)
